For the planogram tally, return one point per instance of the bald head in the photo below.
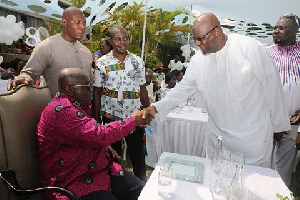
(71, 76)
(68, 12)
(206, 20)
(73, 21)
(208, 34)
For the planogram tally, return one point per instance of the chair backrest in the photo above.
(20, 111)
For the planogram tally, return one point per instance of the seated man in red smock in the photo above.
(72, 146)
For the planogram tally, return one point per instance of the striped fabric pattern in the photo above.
(125, 94)
(287, 60)
(114, 67)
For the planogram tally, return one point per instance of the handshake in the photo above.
(144, 117)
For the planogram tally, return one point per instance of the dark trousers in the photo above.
(135, 148)
(127, 187)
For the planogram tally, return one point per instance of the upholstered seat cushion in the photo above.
(20, 111)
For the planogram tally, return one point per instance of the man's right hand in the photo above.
(14, 83)
(151, 110)
(139, 121)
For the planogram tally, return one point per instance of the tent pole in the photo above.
(144, 30)
(189, 35)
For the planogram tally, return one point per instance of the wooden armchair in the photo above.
(20, 111)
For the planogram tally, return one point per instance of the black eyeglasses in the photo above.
(294, 16)
(89, 85)
(202, 38)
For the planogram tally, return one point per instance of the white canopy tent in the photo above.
(254, 11)
(246, 13)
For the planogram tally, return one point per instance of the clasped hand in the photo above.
(139, 121)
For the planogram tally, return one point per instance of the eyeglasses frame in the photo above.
(203, 37)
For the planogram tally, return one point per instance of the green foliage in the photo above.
(92, 45)
(280, 197)
(160, 32)
(77, 3)
(54, 27)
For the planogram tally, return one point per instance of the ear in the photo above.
(217, 32)
(64, 22)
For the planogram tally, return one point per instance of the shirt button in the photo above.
(92, 165)
(122, 122)
(61, 162)
(106, 155)
(88, 181)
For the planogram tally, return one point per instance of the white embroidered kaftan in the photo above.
(243, 95)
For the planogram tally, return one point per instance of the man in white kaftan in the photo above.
(241, 90)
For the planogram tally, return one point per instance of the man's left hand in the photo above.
(295, 118)
(114, 155)
(298, 142)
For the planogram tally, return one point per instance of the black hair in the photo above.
(107, 42)
(113, 29)
(293, 18)
(14, 63)
(176, 72)
(169, 77)
(183, 70)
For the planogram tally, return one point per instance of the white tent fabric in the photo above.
(255, 11)
(25, 5)
(247, 11)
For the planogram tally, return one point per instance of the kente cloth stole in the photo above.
(131, 95)
(114, 67)
(110, 93)
(125, 94)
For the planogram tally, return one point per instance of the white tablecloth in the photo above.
(183, 133)
(3, 85)
(258, 183)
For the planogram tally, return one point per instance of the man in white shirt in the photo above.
(241, 90)
(285, 53)
(175, 64)
(119, 88)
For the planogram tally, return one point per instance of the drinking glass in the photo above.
(219, 167)
(226, 161)
(164, 182)
(221, 189)
(178, 109)
(237, 158)
(189, 104)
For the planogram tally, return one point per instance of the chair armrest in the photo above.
(9, 179)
